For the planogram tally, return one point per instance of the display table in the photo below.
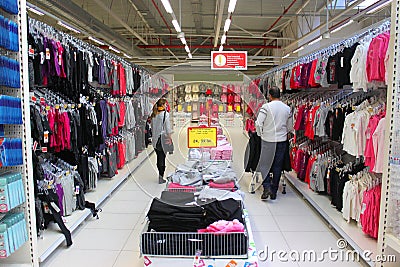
(250, 261)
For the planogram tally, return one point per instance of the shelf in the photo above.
(348, 231)
(51, 238)
(393, 242)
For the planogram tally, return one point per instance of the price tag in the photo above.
(44, 149)
(238, 108)
(73, 106)
(79, 105)
(41, 58)
(46, 137)
(47, 108)
(60, 60)
(67, 173)
(189, 108)
(77, 190)
(230, 108)
(221, 108)
(46, 208)
(34, 98)
(47, 53)
(179, 108)
(57, 106)
(202, 137)
(31, 51)
(75, 56)
(65, 106)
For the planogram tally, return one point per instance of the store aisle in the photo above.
(113, 241)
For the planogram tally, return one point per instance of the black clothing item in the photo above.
(331, 69)
(50, 198)
(287, 166)
(36, 124)
(252, 153)
(343, 65)
(83, 169)
(338, 124)
(96, 67)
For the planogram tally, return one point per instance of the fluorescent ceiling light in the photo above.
(190, 55)
(127, 56)
(287, 55)
(67, 27)
(176, 25)
(379, 7)
(114, 49)
(231, 7)
(187, 49)
(34, 10)
(96, 40)
(183, 40)
(342, 26)
(167, 6)
(298, 49)
(223, 39)
(315, 41)
(364, 4)
(227, 25)
(221, 48)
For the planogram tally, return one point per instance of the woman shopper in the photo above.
(160, 124)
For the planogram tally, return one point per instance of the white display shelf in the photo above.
(393, 242)
(52, 238)
(352, 233)
(250, 261)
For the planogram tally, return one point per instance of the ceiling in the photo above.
(143, 29)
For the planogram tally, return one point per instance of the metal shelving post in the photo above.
(27, 254)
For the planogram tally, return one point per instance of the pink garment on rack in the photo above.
(369, 154)
(370, 209)
(51, 119)
(67, 131)
(223, 226)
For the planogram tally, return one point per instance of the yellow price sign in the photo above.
(221, 108)
(230, 108)
(202, 137)
(189, 108)
(237, 108)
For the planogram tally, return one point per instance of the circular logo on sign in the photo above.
(220, 60)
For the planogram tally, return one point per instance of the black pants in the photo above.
(160, 161)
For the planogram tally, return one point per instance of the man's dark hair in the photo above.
(275, 92)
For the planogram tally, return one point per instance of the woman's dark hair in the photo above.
(159, 104)
(275, 92)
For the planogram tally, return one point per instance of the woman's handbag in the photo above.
(164, 142)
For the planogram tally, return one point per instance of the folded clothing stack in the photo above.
(178, 212)
(223, 152)
(223, 226)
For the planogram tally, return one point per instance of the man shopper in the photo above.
(273, 123)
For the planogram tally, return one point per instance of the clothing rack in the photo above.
(36, 26)
(365, 34)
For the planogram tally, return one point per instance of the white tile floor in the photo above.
(287, 223)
